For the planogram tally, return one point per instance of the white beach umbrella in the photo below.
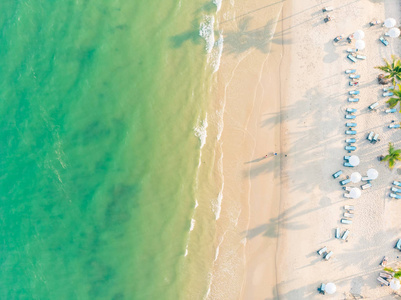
(372, 174)
(395, 284)
(394, 32)
(355, 193)
(354, 160)
(360, 45)
(359, 35)
(330, 288)
(390, 22)
(356, 177)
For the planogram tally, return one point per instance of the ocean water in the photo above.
(104, 157)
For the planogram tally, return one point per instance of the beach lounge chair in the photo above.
(349, 207)
(346, 221)
(322, 250)
(345, 235)
(388, 94)
(384, 41)
(373, 105)
(383, 263)
(385, 275)
(350, 148)
(359, 56)
(375, 138)
(394, 126)
(370, 136)
(347, 164)
(395, 196)
(365, 178)
(347, 188)
(386, 89)
(350, 124)
(345, 181)
(350, 71)
(391, 110)
(353, 83)
(353, 99)
(327, 8)
(347, 195)
(337, 233)
(351, 58)
(328, 255)
(348, 215)
(366, 186)
(397, 183)
(398, 245)
(354, 76)
(383, 281)
(347, 157)
(350, 117)
(350, 132)
(336, 174)
(322, 288)
(354, 92)
(351, 110)
(350, 141)
(395, 190)
(351, 50)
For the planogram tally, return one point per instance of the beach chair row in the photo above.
(373, 137)
(396, 190)
(324, 253)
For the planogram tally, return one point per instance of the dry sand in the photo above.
(287, 93)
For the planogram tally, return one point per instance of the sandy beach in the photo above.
(282, 78)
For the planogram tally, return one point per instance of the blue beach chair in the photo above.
(350, 117)
(351, 58)
(350, 132)
(345, 235)
(395, 196)
(366, 186)
(345, 221)
(345, 181)
(328, 255)
(370, 136)
(350, 71)
(375, 138)
(394, 126)
(353, 92)
(336, 174)
(395, 190)
(391, 110)
(351, 50)
(359, 56)
(350, 148)
(350, 124)
(350, 141)
(386, 89)
(354, 76)
(351, 110)
(388, 94)
(347, 164)
(353, 83)
(353, 99)
(384, 41)
(322, 250)
(347, 157)
(397, 183)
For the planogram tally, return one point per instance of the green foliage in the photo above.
(392, 69)
(393, 101)
(392, 156)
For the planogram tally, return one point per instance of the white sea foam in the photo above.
(218, 4)
(220, 122)
(214, 57)
(196, 203)
(207, 31)
(217, 203)
(201, 131)
(192, 224)
(186, 251)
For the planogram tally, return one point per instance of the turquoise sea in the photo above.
(103, 113)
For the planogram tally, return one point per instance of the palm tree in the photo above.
(392, 156)
(392, 69)
(397, 97)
